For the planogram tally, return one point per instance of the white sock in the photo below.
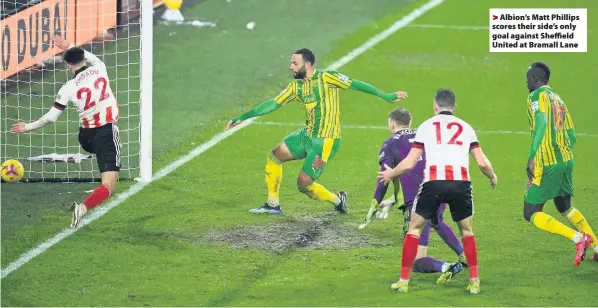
(336, 201)
(445, 267)
(273, 203)
(577, 237)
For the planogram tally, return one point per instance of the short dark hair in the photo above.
(445, 98)
(541, 71)
(307, 55)
(74, 56)
(400, 116)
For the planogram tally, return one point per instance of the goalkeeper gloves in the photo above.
(385, 207)
(378, 211)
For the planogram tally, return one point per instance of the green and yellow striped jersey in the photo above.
(320, 97)
(556, 146)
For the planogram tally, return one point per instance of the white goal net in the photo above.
(32, 72)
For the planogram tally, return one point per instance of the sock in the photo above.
(471, 253)
(429, 265)
(424, 236)
(319, 192)
(273, 179)
(409, 253)
(580, 223)
(449, 237)
(547, 223)
(96, 197)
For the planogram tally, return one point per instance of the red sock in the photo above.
(97, 197)
(471, 254)
(409, 253)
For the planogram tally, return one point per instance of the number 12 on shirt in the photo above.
(454, 127)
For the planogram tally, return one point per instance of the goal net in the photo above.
(33, 72)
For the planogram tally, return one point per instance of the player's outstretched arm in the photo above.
(263, 109)
(286, 96)
(48, 118)
(370, 89)
(484, 165)
(345, 82)
(380, 208)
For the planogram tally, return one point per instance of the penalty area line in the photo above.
(122, 197)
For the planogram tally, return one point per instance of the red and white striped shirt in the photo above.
(90, 94)
(447, 141)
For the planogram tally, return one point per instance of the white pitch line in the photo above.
(380, 127)
(29, 255)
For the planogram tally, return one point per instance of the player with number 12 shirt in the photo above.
(447, 141)
(90, 93)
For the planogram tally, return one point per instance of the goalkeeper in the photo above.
(393, 150)
(318, 142)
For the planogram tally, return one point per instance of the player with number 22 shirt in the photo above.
(90, 93)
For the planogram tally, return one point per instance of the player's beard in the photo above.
(300, 74)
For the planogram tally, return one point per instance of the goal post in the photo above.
(147, 43)
(120, 33)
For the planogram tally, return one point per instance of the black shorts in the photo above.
(104, 142)
(456, 193)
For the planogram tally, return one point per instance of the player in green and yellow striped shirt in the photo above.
(317, 143)
(550, 163)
